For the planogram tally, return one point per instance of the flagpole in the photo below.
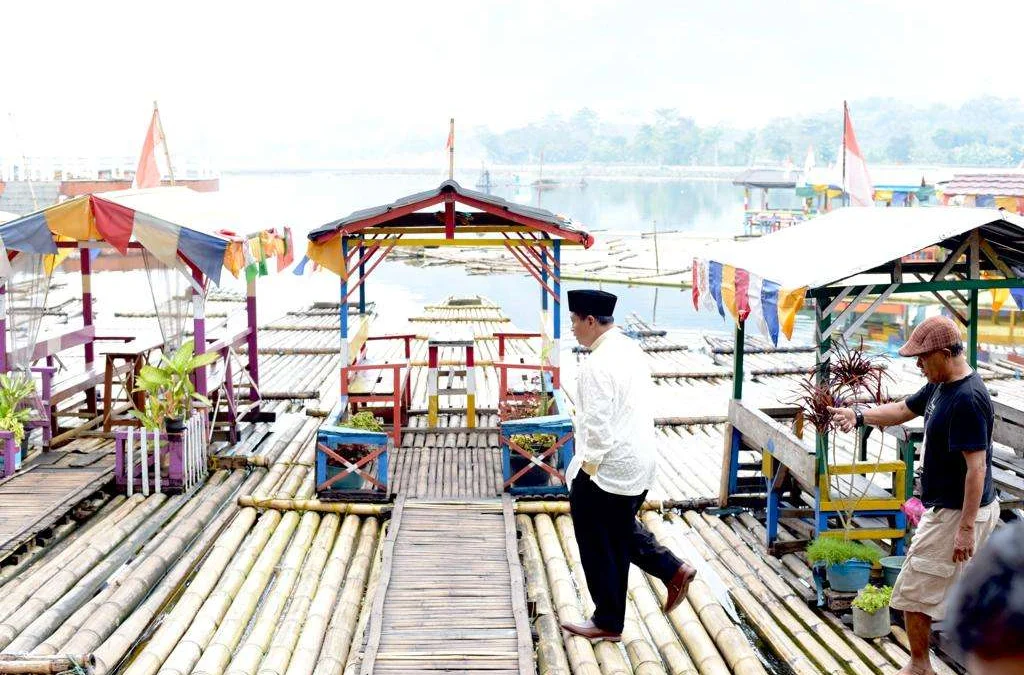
(846, 118)
(451, 149)
(163, 137)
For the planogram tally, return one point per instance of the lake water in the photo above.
(307, 200)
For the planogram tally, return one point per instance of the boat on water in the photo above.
(545, 184)
(484, 181)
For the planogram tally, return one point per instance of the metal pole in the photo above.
(362, 278)
(737, 361)
(846, 117)
(823, 340)
(199, 329)
(343, 305)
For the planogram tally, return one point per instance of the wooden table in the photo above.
(135, 352)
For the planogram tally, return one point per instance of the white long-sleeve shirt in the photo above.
(614, 421)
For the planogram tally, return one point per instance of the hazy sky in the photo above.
(239, 79)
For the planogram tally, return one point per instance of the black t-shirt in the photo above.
(958, 418)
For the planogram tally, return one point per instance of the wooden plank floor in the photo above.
(35, 499)
(451, 596)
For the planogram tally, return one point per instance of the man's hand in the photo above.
(590, 468)
(963, 544)
(844, 418)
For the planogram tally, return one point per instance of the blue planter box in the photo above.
(558, 425)
(353, 484)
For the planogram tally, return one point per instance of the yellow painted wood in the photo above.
(864, 468)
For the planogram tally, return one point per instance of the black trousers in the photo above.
(610, 538)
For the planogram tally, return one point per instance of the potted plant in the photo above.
(170, 393)
(15, 390)
(531, 405)
(354, 452)
(847, 563)
(871, 611)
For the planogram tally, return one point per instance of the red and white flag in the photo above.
(148, 173)
(856, 181)
(451, 138)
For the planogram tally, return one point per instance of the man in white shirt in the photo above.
(613, 469)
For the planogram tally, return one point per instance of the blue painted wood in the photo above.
(332, 436)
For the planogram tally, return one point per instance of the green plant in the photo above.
(169, 391)
(364, 420)
(832, 551)
(15, 390)
(870, 599)
(535, 444)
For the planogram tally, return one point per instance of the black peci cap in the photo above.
(587, 302)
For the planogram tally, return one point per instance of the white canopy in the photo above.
(853, 240)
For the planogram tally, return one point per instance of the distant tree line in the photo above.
(986, 131)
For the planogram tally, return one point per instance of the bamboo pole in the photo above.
(49, 608)
(578, 650)
(729, 640)
(64, 536)
(133, 589)
(608, 655)
(246, 658)
(307, 648)
(938, 665)
(98, 548)
(551, 659)
(278, 653)
(342, 627)
(342, 508)
(761, 580)
(673, 654)
(355, 655)
(22, 664)
(120, 642)
(186, 629)
(761, 619)
(20, 589)
(561, 508)
(219, 647)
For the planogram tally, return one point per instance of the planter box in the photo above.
(537, 480)
(10, 454)
(147, 461)
(335, 480)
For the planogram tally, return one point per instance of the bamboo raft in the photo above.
(42, 497)
(453, 604)
(275, 585)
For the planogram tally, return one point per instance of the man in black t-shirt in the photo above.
(956, 481)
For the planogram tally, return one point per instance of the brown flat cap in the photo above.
(936, 332)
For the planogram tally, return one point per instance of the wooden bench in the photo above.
(788, 462)
(55, 391)
(368, 382)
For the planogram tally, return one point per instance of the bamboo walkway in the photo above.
(449, 462)
(451, 602)
(36, 499)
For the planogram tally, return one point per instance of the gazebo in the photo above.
(836, 262)
(353, 246)
(189, 235)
